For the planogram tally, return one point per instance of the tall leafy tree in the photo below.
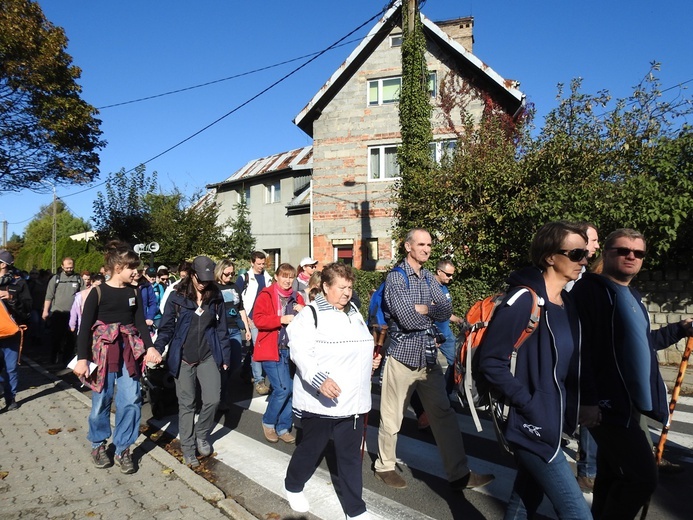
(240, 243)
(46, 130)
(121, 212)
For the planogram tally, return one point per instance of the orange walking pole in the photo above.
(674, 398)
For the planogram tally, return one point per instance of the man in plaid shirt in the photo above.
(414, 304)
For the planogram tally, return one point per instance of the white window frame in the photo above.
(244, 192)
(377, 84)
(273, 192)
(396, 40)
(382, 163)
(442, 147)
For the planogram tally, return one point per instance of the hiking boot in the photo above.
(100, 458)
(391, 478)
(297, 501)
(270, 434)
(203, 447)
(124, 460)
(12, 406)
(669, 468)
(261, 388)
(191, 460)
(287, 437)
(586, 484)
(470, 481)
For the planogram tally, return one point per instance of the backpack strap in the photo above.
(315, 315)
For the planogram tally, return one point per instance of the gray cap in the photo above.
(6, 257)
(204, 268)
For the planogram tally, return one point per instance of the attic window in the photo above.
(385, 91)
(396, 40)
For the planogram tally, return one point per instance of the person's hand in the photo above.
(421, 309)
(4, 295)
(330, 389)
(286, 319)
(44, 315)
(590, 416)
(152, 356)
(225, 367)
(688, 326)
(298, 307)
(376, 362)
(149, 322)
(81, 369)
(248, 335)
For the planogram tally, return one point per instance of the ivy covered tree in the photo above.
(412, 190)
(46, 130)
(240, 242)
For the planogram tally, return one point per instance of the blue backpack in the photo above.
(378, 314)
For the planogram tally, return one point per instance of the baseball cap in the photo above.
(204, 268)
(6, 257)
(151, 272)
(307, 261)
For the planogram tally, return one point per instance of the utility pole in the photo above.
(54, 261)
(411, 10)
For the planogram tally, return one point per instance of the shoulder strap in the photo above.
(98, 294)
(403, 273)
(315, 315)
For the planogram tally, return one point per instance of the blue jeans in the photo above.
(278, 414)
(128, 401)
(587, 459)
(9, 377)
(536, 478)
(255, 366)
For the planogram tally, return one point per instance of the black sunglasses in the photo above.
(625, 251)
(449, 275)
(575, 255)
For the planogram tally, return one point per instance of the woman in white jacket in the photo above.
(333, 351)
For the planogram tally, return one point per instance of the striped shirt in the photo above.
(407, 344)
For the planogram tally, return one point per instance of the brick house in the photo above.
(354, 123)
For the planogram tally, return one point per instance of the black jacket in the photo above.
(602, 382)
(537, 414)
(19, 302)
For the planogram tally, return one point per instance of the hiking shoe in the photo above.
(470, 481)
(270, 434)
(124, 460)
(100, 458)
(12, 406)
(586, 484)
(261, 388)
(203, 447)
(667, 467)
(191, 460)
(391, 478)
(287, 437)
(297, 501)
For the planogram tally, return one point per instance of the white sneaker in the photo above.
(362, 516)
(297, 501)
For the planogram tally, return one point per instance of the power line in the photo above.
(235, 76)
(251, 99)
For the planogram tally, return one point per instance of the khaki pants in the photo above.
(399, 381)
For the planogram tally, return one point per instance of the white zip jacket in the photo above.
(339, 347)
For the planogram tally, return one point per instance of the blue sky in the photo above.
(132, 49)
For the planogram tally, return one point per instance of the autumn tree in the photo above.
(46, 130)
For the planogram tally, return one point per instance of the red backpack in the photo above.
(478, 319)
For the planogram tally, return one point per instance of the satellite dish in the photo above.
(154, 247)
(138, 248)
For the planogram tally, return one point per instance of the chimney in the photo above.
(461, 30)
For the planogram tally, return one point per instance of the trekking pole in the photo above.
(379, 334)
(22, 329)
(674, 398)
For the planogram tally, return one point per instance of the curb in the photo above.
(197, 483)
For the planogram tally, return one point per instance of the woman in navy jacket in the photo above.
(544, 392)
(194, 328)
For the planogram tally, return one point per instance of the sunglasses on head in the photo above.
(625, 251)
(575, 255)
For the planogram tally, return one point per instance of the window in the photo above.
(385, 91)
(442, 149)
(382, 162)
(244, 194)
(344, 254)
(273, 192)
(372, 249)
(396, 40)
(273, 259)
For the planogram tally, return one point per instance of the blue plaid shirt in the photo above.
(408, 342)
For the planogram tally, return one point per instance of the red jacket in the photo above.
(267, 318)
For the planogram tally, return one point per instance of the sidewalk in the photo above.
(670, 373)
(46, 469)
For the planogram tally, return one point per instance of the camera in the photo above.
(438, 336)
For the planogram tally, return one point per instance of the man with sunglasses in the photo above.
(621, 381)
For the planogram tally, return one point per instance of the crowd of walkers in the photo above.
(590, 361)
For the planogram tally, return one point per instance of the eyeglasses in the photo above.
(625, 251)
(312, 266)
(575, 255)
(449, 275)
(228, 275)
